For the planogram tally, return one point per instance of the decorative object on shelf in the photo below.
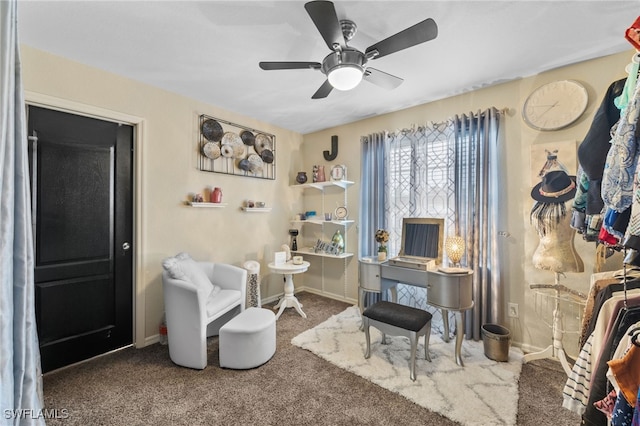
(330, 156)
(338, 172)
(297, 260)
(454, 247)
(249, 204)
(321, 177)
(338, 241)
(294, 240)
(555, 105)
(230, 148)
(327, 216)
(301, 177)
(328, 248)
(260, 204)
(315, 174)
(382, 236)
(216, 195)
(341, 213)
(197, 198)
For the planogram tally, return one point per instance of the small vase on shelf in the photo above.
(216, 195)
(338, 241)
(382, 255)
(301, 177)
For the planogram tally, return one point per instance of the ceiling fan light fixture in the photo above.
(345, 76)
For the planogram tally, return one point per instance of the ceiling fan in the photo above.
(345, 66)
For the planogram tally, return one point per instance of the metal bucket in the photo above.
(496, 340)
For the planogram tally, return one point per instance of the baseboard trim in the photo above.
(87, 360)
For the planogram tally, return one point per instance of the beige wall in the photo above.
(518, 247)
(166, 173)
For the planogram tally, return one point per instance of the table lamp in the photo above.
(454, 246)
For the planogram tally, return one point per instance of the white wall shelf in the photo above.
(344, 184)
(321, 196)
(256, 209)
(322, 222)
(208, 205)
(309, 251)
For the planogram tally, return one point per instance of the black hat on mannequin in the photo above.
(556, 187)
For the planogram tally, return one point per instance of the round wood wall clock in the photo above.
(555, 105)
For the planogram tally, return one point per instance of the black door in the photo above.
(82, 200)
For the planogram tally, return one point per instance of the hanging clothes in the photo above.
(577, 388)
(592, 152)
(605, 294)
(621, 162)
(626, 371)
(599, 386)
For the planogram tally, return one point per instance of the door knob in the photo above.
(126, 246)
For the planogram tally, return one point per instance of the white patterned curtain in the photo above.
(20, 378)
(420, 183)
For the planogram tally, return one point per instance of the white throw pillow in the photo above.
(183, 267)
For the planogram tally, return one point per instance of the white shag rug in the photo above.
(483, 392)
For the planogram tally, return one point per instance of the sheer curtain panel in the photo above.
(478, 211)
(20, 378)
(372, 191)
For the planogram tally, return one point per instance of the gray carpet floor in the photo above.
(143, 387)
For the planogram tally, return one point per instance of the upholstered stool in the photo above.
(248, 340)
(399, 320)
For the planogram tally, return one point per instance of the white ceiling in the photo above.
(209, 50)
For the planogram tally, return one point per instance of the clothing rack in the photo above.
(556, 350)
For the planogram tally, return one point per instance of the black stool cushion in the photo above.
(402, 316)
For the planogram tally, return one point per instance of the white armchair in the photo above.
(199, 298)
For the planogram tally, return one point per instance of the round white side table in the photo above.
(289, 300)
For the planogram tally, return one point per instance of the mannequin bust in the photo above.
(556, 251)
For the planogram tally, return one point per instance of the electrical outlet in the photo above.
(513, 310)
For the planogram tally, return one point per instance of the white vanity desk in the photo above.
(444, 291)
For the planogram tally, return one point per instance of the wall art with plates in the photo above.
(230, 148)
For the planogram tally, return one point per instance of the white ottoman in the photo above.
(248, 340)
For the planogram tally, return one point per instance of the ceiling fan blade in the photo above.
(289, 65)
(323, 14)
(323, 91)
(416, 34)
(382, 79)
